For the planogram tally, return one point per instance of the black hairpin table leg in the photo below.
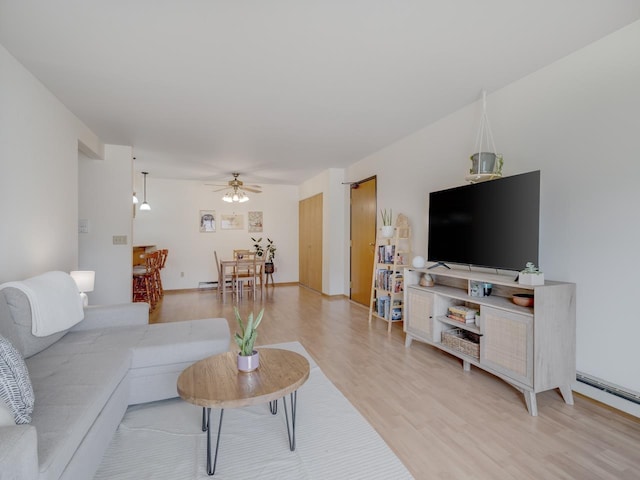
(291, 431)
(211, 469)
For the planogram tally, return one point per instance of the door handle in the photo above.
(372, 244)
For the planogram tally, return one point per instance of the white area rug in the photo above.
(164, 440)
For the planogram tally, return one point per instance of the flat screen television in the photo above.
(489, 224)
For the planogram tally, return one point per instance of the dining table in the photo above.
(241, 269)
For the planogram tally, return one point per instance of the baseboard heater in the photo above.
(207, 284)
(609, 388)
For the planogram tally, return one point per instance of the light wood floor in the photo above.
(442, 422)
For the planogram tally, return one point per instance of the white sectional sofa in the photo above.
(83, 380)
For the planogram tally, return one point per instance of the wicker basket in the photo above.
(462, 341)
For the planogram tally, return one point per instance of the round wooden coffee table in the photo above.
(215, 382)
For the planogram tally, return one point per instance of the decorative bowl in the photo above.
(523, 299)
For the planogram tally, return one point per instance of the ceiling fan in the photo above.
(237, 187)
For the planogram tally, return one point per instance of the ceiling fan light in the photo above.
(227, 198)
(243, 198)
(235, 197)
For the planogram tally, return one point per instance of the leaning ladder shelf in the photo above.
(387, 283)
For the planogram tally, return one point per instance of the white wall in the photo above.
(105, 188)
(173, 223)
(39, 141)
(335, 260)
(577, 121)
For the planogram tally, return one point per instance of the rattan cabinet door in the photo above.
(507, 344)
(419, 316)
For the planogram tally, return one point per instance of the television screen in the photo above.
(490, 224)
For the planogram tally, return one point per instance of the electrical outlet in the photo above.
(83, 225)
(119, 239)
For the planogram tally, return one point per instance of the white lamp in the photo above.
(85, 280)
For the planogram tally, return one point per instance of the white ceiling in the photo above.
(283, 89)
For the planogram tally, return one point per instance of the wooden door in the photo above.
(363, 239)
(310, 242)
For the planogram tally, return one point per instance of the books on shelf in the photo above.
(384, 307)
(462, 314)
(386, 253)
(461, 320)
(389, 280)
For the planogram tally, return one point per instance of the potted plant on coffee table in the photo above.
(248, 358)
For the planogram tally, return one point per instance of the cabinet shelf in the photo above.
(495, 301)
(470, 327)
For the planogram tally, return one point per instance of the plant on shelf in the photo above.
(248, 358)
(531, 268)
(387, 226)
(531, 275)
(386, 217)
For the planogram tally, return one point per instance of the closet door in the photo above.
(310, 238)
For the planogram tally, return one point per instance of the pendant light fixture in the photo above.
(145, 205)
(135, 199)
(235, 196)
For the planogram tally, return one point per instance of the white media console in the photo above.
(531, 348)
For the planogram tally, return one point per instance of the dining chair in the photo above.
(245, 255)
(257, 272)
(145, 280)
(243, 271)
(223, 277)
(242, 254)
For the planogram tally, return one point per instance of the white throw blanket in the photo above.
(55, 302)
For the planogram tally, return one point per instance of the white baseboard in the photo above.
(607, 398)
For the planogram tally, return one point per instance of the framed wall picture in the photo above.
(207, 221)
(255, 221)
(231, 221)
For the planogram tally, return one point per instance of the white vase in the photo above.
(387, 231)
(248, 363)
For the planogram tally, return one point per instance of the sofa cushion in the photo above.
(15, 323)
(72, 389)
(178, 342)
(15, 385)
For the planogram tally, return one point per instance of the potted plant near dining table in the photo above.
(268, 252)
(248, 358)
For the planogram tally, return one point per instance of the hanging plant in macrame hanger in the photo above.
(486, 164)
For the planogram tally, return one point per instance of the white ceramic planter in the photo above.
(531, 278)
(387, 231)
(248, 363)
